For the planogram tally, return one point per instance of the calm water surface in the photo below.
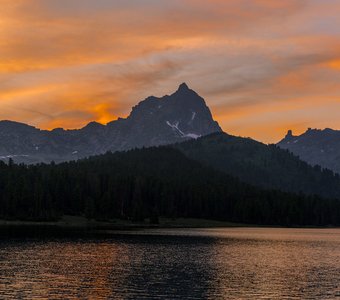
(233, 263)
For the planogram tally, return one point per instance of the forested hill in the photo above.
(149, 183)
(262, 165)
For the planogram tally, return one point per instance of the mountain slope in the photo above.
(261, 165)
(154, 121)
(317, 147)
(148, 183)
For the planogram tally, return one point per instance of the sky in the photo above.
(263, 66)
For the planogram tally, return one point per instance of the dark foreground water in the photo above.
(244, 263)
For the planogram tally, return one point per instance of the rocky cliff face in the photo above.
(154, 121)
(315, 146)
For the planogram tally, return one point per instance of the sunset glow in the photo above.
(262, 66)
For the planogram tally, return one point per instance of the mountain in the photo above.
(266, 166)
(315, 146)
(181, 119)
(154, 121)
(148, 183)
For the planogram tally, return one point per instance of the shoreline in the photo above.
(76, 222)
(82, 223)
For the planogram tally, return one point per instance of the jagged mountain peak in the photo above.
(181, 115)
(183, 87)
(185, 94)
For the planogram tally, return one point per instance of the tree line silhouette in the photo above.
(146, 184)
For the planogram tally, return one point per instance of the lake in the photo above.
(228, 263)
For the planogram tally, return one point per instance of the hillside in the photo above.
(262, 165)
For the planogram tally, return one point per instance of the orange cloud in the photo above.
(334, 64)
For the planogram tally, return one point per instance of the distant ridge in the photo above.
(154, 121)
(315, 146)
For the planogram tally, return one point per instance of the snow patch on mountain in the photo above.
(181, 133)
(193, 135)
